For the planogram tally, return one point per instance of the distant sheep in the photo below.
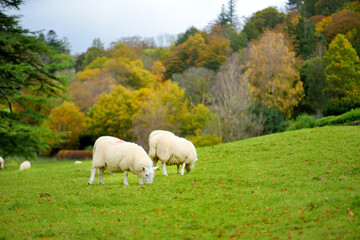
(2, 164)
(172, 150)
(78, 162)
(116, 155)
(25, 165)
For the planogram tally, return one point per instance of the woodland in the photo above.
(232, 80)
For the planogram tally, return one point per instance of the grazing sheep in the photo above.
(2, 164)
(156, 132)
(25, 165)
(116, 155)
(172, 150)
(78, 162)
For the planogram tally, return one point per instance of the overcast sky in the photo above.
(80, 21)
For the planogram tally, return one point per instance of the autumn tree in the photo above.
(113, 114)
(214, 53)
(164, 106)
(342, 22)
(273, 73)
(185, 55)
(26, 87)
(233, 101)
(342, 72)
(69, 119)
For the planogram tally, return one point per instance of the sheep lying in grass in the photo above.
(78, 162)
(172, 150)
(25, 165)
(116, 155)
(2, 164)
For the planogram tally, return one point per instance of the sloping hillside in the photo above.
(302, 185)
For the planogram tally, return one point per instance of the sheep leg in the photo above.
(92, 176)
(140, 181)
(178, 167)
(101, 176)
(125, 178)
(182, 169)
(163, 167)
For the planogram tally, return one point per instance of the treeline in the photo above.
(212, 85)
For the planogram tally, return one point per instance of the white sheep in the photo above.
(172, 150)
(78, 162)
(2, 164)
(156, 132)
(116, 155)
(25, 165)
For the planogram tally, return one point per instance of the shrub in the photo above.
(351, 116)
(74, 154)
(201, 140)
(302, 121)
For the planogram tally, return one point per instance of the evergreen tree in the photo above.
(231, 13)
(342, 72)
(26, 87)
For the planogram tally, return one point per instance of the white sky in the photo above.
(80, 21)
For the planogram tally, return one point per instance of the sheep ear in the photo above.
(143, 169)
(154, 168)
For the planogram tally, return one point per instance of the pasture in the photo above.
(301, 184)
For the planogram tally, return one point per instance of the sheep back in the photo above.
(116, 155)
(172, 150)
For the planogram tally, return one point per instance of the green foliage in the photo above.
(267, 18)
(27, 89)
(348, 117)
(273, 118)
(327, 7)
(299, 184)
(302, 121)
(197, 83)
(312, 74)
(97, 63)
(305, 37)
(342, 72)
(191, 31)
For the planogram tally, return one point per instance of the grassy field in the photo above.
(295, 185)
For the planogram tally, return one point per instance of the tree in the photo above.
(214, 53)
(164, 106)
(305, 37)
(273, 73)
(261, 20)
(26, 87)
(231, 13)
(342, 72)
(197, 83)
(232, 103)
(67, 118)
(312, 75)
(185, 55)
(191, 31)
(113, 114)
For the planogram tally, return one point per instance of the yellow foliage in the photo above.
(88, 74)
(323, 24)
(273, 75)
(67, 118)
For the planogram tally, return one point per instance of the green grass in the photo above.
(301, 184)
